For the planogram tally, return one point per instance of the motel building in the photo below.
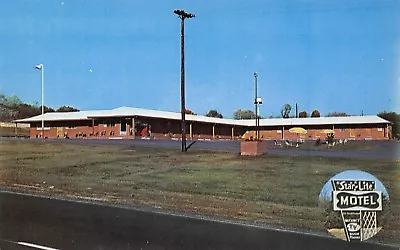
(137, 123)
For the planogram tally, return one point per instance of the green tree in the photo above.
(315, 113)
(285, 111)
(9, 101)
(13, 101)
(2, 98)
(394, 118)
(36, 104)
(12, 108)
(242, 114)
(47, 109)
(66, 109)
(27, 110)
(303, 114)
(214, 113)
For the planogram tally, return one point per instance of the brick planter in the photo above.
(253, 148)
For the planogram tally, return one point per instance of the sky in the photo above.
(331, 55)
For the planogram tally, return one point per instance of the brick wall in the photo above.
(374, 133)
(252, 148)
(112, 127)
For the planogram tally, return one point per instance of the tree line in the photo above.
(12, 108)
(284, 113)
(243, 114)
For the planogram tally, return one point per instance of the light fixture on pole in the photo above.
(183, 15)
(257, 102)
(41, 68)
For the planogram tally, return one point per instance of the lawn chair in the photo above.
(300, 141)
(277, 143)
(288, 143)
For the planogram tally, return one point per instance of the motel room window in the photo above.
(342, 130)
(110, 124)
(380, 129)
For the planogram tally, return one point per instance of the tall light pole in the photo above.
(183, 15)
(257, 102)
(41, 68)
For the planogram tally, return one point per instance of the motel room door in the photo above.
(368, 133)
(60, 132)
(352, 134)
(123, 127)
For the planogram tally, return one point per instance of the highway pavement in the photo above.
(39, 222)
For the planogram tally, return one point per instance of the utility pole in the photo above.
(183, 15)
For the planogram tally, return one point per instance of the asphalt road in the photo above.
(388, 150)
(33, 222)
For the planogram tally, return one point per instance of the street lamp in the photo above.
(257, 102)
(183, 15)
(41, 68)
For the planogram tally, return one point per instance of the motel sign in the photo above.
(358, 203)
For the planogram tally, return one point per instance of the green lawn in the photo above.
(281, 191)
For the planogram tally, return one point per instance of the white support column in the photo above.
(133, 127)
(233, 133)
(213, 131)
(191, 131)
(387, 131)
